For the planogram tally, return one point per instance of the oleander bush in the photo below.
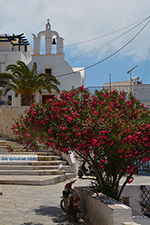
(108, 129)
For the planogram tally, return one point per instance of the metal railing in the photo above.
(144, 169)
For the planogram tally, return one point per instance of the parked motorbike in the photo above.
(85, 171)
(70, 202)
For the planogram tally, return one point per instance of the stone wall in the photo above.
(8, 115)
(99, 209)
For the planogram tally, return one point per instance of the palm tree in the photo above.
(27, 82)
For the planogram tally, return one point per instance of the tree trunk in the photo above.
(27, 100)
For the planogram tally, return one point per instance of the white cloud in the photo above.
(77, 20)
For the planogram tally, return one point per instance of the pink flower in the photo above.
(130, 181)
(49, 131)
(65, 149)
(33, 113)
(66, 138)
(120, 151)
(145, 139)
(95, 142)
(145, 160)
(111, 143)
(50, 144)
(27, 135)
(69, 119)
(101, 165)
(103, 137)
(103, 160)
(129, 136)
(103, 132)
(127, 156)
(63, 128)
(116, 115)
(95, 112)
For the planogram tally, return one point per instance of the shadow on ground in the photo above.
(56, 214)
(30, 223)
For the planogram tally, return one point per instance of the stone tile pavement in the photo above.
(33, 205)
(38, 205)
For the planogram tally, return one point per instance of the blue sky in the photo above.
(81, 20)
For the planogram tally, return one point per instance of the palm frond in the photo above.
(11, 67)
(34, 69)
(23, 66)
(50, 78)
(5, 76)
(27, 82)
(10, 87)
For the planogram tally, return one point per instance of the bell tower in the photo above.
(51, 38)
(52, 60)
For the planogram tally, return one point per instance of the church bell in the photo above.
(54, 41)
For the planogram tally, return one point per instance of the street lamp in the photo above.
(130, 72)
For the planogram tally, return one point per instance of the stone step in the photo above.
(41, 157)
(42, 172)
(31, 172)
(3, 151)
(8, 143)
(11, 148)
(15, 146)
(25, 167)
(48, 157)
(35, 163)
(35, 180)
(23, 152)
(20, 149)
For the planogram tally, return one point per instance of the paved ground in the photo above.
(33, 205)
(38, 205)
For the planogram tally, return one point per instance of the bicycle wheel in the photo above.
(64, 206)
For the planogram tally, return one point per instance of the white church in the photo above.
(52, 60)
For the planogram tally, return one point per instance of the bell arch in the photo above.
(42, 45)
(52, 44)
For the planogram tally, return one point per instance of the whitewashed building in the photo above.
(13, 48)
(52, 61)
(139, 90)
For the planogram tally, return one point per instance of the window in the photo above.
(9, 101)
(48, 71)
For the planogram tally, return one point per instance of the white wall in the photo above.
(11, 57)
(59, 67)
(102, 210)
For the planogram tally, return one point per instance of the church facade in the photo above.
(51, 60)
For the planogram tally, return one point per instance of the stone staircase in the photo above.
(42, 171)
